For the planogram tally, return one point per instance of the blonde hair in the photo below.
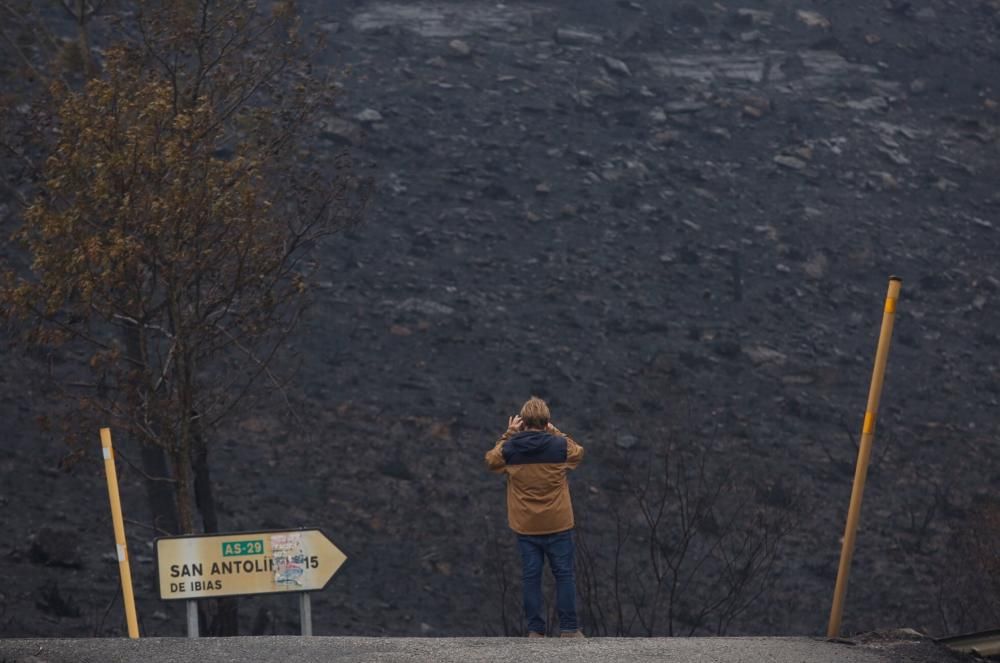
(535, 413)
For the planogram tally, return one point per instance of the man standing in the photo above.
(535, 456)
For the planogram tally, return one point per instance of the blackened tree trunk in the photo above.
(159, 487)
(225, 617)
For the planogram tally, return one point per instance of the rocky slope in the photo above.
(652, 214)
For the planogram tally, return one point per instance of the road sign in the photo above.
(213, 565)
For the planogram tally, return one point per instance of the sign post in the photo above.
(864, 456)
(192, 618)
(246, 563)
(305, 613)
(121, 549)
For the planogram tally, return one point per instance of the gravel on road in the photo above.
(468, 650)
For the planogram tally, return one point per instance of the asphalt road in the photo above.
(463, 650)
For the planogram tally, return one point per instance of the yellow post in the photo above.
(864, 455)
(116, 518)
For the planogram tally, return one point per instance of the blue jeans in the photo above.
(559, 549)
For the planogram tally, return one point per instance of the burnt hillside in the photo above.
(675, 221)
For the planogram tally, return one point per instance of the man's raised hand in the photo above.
(515, 423)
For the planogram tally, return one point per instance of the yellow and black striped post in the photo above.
(864, 456)
(119, 524)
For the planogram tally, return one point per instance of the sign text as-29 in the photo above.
(195, 567)
(235, 548)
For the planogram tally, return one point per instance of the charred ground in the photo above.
(668, 220)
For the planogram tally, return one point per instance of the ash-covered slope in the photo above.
(635, 210)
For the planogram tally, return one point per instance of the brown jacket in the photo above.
(536, 463)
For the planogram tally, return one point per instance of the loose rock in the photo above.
(686, 106)
(616, 66)
(813, 19)
(761, 354)
(880, 104)
(752, 17)
(888, 182)
(574, 37)
(756, 106)
(793, 163)
(340, 131)
(460, 48)
(626, 441)
(368, 116)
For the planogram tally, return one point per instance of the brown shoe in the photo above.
(572, 634)
(532, 634)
